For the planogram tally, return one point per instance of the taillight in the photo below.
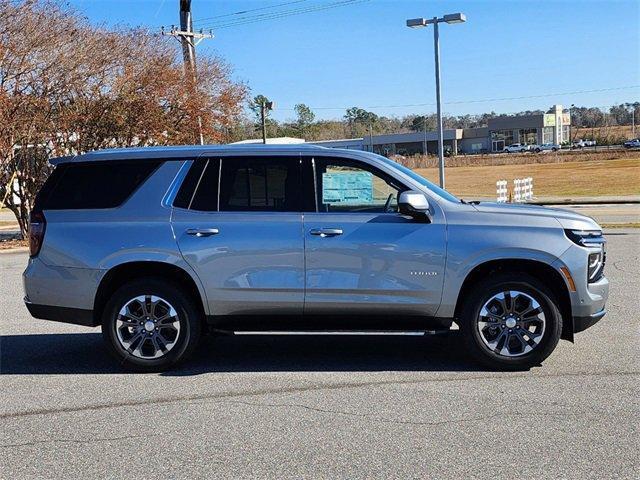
(37, 226)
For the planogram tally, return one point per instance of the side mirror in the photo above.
(414, 204)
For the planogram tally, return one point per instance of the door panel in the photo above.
(380, 264)
(253, 265)
(361, 256)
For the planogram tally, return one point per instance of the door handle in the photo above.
(202, 232)
(326, 232)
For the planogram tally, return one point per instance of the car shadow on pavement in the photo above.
(84, 353)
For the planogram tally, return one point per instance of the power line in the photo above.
(485, 100)
(283, 14)
(244, 12)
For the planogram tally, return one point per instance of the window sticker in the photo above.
(347, 188)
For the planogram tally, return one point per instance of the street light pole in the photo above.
(423, 22)
(436, 48)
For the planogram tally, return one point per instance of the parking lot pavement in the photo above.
(322, 406)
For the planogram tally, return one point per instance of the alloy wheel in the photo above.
(147, 327)
(511, 323)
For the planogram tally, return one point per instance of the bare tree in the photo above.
(67, 87)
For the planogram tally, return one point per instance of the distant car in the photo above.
(545, 147)
(583, 143)
(515, 148)
(635, 143)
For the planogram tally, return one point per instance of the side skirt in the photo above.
(324, 323)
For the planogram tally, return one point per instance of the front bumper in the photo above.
(582, 323)
(587, 299)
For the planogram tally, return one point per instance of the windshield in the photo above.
(421, 180)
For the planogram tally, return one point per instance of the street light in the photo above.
(423, 22)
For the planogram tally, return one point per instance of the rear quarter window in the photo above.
(93, 185)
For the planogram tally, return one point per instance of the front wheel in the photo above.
(150, 325)
(511, 322)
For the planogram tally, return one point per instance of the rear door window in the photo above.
(189, 184)
(199, 190)
(260, 184)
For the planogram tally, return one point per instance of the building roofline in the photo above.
(315, 142)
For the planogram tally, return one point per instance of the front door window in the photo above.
(347, 186)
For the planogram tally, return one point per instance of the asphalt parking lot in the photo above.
(322, 406)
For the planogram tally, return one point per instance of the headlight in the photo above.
(596, 265)
(594, 241)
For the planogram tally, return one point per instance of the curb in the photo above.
(14, 250)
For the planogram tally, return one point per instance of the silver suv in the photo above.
(161, 245)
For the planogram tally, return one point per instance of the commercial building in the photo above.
(500, 131)
(529, 129)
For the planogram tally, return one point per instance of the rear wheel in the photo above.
(151, 325)
(511, 322)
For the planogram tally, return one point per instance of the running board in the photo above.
(410, 333)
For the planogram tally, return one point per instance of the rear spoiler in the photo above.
(57, 160)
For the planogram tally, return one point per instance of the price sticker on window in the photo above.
(347, 188)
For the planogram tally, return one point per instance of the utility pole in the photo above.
(189, 40)
(264, 106)
(570, 122)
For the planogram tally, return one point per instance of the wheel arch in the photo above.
(125, 272)
(537, 269)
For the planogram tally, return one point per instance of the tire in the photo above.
(537, 150)
(176, 336)
(546, 328)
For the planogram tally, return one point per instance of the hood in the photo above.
(566, 218)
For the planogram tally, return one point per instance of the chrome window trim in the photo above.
(315, 184)
(176, 183)
(219, 177)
